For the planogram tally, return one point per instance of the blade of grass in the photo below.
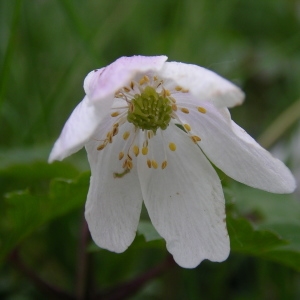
(9, 50)
(283, 122)
(99, 40)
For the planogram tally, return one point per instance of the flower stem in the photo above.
(130, 288)
(280, 125)
(48, 289)
(82, 263)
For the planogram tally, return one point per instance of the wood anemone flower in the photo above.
(150, 129)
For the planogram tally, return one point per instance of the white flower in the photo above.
(128, 122)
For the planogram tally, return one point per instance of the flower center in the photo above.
(150, 110)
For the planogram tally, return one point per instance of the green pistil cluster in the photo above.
(150, 110)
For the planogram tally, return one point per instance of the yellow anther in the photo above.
(126, 89)
(172, 146)
(195, 138)
(201, 109)
(154, 164)
(129, 164)
(187, 127)
(144, 79)
(132, 85)
(115, 131)
(155, 78)
(184, 90)
(150, 134)
(166, 93)
(184, 110)
(145, 150)
(121, 155)
(149, 163)
(178, 88)
(116, 125)
(136, 150)
(164, 164)
(100, 147)
(174, 107)
(126, 135)
(115, 114)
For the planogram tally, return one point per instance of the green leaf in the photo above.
(245, 239)
(26, 212)
(276, 219)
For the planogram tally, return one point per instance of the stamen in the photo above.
(115, 114)
(101, 147)
(187, 127)
(184, 110)
(164, 164)
(145, 150)
(121, 155)
(145, 79)
(174, 107)
(136, 150)
(129, 164)
(166, 93)
(126, 89)
(120, 175)
(154, 164)
(178, 88)
(126, 135)
(201, 109)
(149, 163)
(172, 146)
(195, 139)
(115, 131)
(150, 134)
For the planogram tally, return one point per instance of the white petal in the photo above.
(103, 83)
(114, 204)
(77, 131)
(185, 201)
(204, 84)
(237, 154)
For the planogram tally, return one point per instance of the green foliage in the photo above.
(26, 212)
(46, 49)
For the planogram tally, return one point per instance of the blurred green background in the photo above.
(46, 49)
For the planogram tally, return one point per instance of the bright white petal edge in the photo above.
(78, 129)
(204, 84)
(237, 154)
(113, 204)
(185, 201)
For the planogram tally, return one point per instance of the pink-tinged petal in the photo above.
(185, 200)
(114, 203)
(203, 84)
(78, 129)
(237, 154)
(103, 83)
